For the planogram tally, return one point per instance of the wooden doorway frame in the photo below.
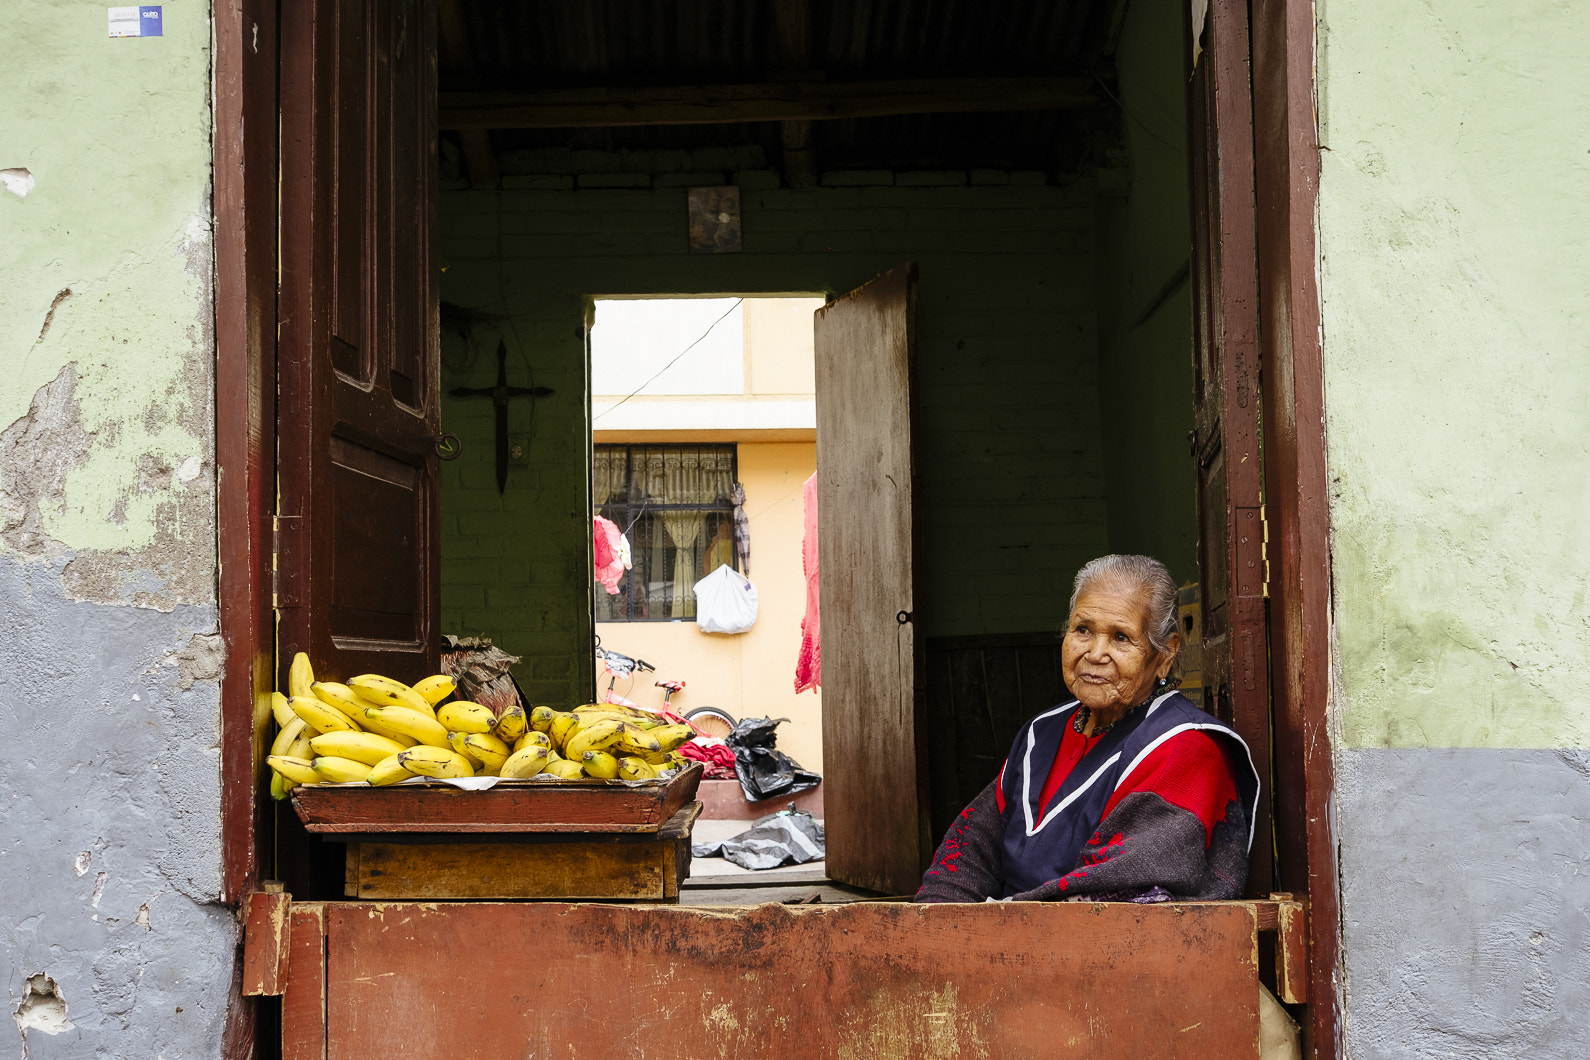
(1286, 158)
(1286, 169)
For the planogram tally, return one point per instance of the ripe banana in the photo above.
(599, 764)
(438, 762)
(341, 770)
(281, 787)
(300, 748)
(644, 718)
(290, 732)
(343, 698)
(541, 718)
(298, 770)
(636, 741)
(593, 736)
(435, 688)
(300, 675)
(421, 727)
(512, 724)
(388, 771)
(387, 731)
(631, 768)
(532, 739)
(364, 747)
(526, 763)
(384, 691)
(563, 769)
(340, 696)
(491, 751)
(561, 726)
(670, 737)
(280, 709)
(455, 740)
(320, 717)
(464, 716)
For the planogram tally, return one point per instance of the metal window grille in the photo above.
(674, 504)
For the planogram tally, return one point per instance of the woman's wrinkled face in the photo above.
(1108, 661)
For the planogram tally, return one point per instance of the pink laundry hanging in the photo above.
(608, 549)
(809, 663)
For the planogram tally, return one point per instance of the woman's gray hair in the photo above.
(1142, 573)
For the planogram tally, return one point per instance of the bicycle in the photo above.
(708, 721)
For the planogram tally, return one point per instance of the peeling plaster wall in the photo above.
(1454, 202)
(111, 941)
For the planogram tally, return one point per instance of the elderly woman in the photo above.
(1126, 793)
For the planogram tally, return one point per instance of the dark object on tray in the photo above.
(511, 806)
(765, 773)
(788, 837)
(482, 672)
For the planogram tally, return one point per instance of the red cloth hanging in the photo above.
(608, 551)
(809, 663)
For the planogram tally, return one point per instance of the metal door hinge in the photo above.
(1264, 548)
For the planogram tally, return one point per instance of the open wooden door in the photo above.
(874, 764)
(1226, 437)
(356, 580)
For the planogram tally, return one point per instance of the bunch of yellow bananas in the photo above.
(382, 731)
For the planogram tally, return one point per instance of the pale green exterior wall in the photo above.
(1454, 263)
(1454, 238)
(110, 659)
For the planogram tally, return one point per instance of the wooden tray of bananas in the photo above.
(375, 755)
(542, 805)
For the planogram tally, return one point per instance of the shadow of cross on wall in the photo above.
(501, 393)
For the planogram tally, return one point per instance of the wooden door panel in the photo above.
(492, 980)
(874, 758)
(378, 512)
(1225, 440)
(360, 364)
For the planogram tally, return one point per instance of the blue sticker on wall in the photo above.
(136, 22)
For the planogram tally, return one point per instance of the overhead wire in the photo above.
(699, 340)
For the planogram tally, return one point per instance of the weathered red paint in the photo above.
(876, 980)
(265, 942)
(304, 999)
(510, 806)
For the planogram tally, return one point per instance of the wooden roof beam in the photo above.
(792, 24)
(783, 102)
(457, 61)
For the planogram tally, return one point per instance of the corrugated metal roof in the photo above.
(571, 43)
(589, 43)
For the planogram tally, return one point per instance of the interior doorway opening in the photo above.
(1055, 353)
(703, 420)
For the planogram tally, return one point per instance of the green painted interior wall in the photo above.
(1145, 306)
(1453, 211)
(1012, 480)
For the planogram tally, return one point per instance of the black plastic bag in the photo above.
(764, 772)
(789, 836)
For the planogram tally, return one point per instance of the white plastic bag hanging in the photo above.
(725, 602)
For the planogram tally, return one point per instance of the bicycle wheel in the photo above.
(710, 721)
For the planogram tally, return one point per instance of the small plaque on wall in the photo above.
(715, 220)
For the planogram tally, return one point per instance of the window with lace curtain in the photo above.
(674, 503)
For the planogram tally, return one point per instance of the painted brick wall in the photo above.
(1011, 475)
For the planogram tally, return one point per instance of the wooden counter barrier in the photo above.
(554, 980)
